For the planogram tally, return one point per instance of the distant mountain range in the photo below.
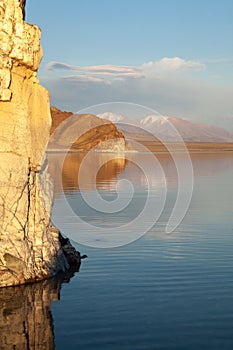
(168, 128)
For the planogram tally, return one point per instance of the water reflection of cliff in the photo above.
(25, 315)
(204, 164)
(102, 167)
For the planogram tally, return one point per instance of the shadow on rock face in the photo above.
(26, 320)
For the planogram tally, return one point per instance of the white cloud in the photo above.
(101, 73)
(171, 65)
(84, 79)
(109, 73)
(100, 68)
(164, 85)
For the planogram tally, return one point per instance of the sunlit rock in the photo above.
(29, 246)
(84, 132)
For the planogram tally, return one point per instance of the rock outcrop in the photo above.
(29, 247)
(84, 132)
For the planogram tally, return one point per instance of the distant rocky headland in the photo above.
(84, 132)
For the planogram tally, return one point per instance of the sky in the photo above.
(173, 56)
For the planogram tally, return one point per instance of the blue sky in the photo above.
(179, 54)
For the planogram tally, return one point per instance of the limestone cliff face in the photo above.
(29, 246)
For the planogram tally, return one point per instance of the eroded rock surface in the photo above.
(84, 132)
(29, 247)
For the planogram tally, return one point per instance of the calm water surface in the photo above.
(163, 291)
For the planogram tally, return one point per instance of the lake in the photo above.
(160, 291)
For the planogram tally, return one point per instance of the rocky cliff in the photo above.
(29, 246)
(83, 132)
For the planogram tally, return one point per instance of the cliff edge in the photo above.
(29, 245)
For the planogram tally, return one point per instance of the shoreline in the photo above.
(158, 147)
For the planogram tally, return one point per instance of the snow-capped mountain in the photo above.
(170, 128)
(150, 120)
(112, 117)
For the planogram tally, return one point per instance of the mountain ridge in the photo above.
(170, 128)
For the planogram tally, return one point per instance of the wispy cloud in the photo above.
(83, 79)
(101, 73)
(109, 73)
(173, 86)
